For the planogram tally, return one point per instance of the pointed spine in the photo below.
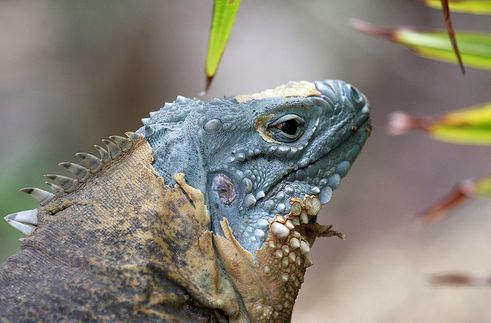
(181, 99)
(24, 221)
(55, 188)
(90, 161)
(26, 217)
(133, 136)
(24, 228)
(40, 195)
(77, 170)
(149, 130)
(123, 143)
(114, 150)
(91, 164)
(105, 157)
(66, 183)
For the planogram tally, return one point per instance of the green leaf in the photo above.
(475, 48)
(473, 135)
(477, 115)
(478, 7)
(224, 13)
(465, 126)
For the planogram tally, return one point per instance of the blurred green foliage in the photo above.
(465, 6)
(475, 48)
(23, 171)
(483, 186)
(467, 126)
(464, 126)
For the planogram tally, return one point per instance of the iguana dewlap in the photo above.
(207, 213)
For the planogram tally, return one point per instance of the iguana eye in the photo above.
(288, 128)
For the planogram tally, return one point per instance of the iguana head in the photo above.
(252, 154)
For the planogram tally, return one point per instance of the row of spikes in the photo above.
(26, 221)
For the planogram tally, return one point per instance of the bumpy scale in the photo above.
(206, 213)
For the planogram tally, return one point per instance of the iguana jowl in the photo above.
(206, 213)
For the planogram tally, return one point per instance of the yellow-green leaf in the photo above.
(483, 186)
(477, 115)
(465, 126)
(473, 135)
(479, 7)
(224, 13)
(475, 48)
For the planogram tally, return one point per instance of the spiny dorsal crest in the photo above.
(116, 146)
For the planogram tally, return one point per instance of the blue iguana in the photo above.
(206, 213)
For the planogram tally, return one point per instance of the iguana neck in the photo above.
(126, 235)
(176, 149)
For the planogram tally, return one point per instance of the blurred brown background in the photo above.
(73, 72)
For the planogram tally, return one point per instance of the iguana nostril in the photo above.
(355, 94)
(224, 187)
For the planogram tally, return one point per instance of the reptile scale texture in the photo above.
(206, 213)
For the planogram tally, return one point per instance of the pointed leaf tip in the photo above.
(460, 193)
(451, 34)
(369, 29)
(209, 80)
(223, 19)
(460, 279)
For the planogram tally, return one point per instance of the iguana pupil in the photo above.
(289, 127)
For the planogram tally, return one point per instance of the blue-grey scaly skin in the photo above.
(235, 151)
